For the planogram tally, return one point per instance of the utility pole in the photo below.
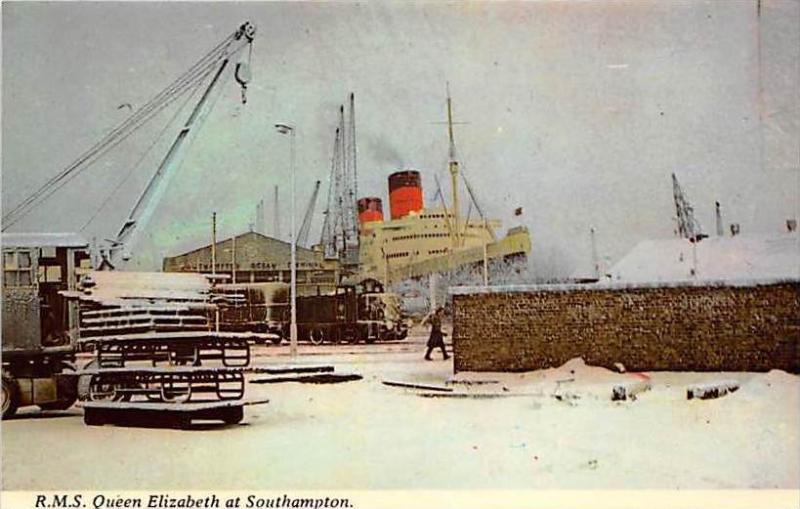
(213, 243)
(433, 282)
(214, 263)
(259, 224)
(595, 261)
(233, 258)
(485, 266)
(290, 130)
(276, 224)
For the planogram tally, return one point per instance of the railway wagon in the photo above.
(349, 314)
(253, 307)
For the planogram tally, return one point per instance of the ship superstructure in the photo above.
(418, 241)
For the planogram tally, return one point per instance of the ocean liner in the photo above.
(417, 241)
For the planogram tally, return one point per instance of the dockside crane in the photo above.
(340, 232)
(145, 206)
(212, 65)
(688, 226)
(39, 331)
(302, 235)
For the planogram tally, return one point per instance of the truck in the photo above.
(39, 324)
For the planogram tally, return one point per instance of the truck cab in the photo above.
(39, 324)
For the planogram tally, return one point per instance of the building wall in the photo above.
(752, 326)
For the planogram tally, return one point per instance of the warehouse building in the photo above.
(253, 257)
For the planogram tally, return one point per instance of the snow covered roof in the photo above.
(43, 240)
(713, 258)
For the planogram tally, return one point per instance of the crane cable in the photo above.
(119, 134)
(78, 166)
(192, 77)
(127, 127)
(139, 162)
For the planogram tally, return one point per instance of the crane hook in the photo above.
(243, 74)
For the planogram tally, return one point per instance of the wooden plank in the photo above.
(162, 406)
(408, 385)
(322, 378)
(281, 370)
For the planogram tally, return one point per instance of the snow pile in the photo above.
(766, 385)
(572, 381)
(715, 258)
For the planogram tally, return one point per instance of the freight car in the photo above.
(252, 307)
(349, 314)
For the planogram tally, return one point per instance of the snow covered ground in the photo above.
(555, 428)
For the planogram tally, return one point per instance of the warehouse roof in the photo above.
(714, 258)
(43, 240)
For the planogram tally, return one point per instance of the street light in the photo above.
(287, 129)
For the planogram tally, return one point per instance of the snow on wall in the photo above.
(606, 285)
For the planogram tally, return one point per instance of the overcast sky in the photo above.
(576, 111)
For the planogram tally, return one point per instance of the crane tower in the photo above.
(340, 234)
(688, 226)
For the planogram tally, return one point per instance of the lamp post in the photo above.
(290, 130)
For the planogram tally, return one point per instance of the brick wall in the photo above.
(748, 326)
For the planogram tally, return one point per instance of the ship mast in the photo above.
(453, 165)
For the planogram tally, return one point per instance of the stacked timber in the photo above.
(158, 358)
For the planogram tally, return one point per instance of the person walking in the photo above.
(436, 339)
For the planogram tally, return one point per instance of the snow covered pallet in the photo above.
(170, 384)
(157, 361)
(182, 347)
(178, 415)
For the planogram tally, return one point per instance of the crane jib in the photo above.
(145, 206)
(216, 58)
